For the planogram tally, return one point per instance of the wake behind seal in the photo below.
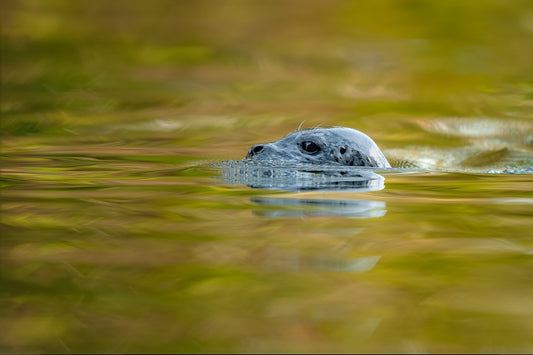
(325, 146)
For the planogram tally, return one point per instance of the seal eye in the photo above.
(310, 147)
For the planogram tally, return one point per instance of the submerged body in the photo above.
(326, 146)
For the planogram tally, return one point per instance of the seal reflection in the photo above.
(302, 207)
(273, 175)
(335, 184)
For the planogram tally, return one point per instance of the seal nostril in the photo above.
(257, 149)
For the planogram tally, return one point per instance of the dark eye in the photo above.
(310, 147)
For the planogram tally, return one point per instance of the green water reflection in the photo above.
(117, 236)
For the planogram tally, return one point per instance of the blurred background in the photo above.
(117, 238)
(261, 68)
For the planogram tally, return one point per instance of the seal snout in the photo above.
(255, 150)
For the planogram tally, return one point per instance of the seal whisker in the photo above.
(319, 125)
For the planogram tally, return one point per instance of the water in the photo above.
(120, 235)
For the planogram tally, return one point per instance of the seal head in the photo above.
(326, 146)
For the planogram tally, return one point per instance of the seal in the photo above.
(325, 146)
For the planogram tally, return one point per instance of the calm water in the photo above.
(118, 235)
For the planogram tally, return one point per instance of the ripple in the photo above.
(476, 126)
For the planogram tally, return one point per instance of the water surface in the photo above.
(119, 235)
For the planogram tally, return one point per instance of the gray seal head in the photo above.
(326, 146)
